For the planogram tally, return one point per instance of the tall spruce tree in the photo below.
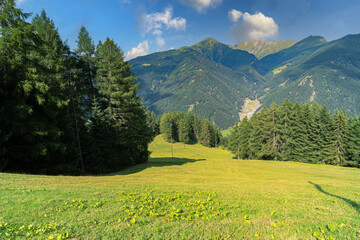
(339, 139)
(17, 40)
(245, 130)
(353, 147)
(288, 115)
(234, 140)
(122, 106)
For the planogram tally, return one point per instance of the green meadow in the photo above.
(200, 193)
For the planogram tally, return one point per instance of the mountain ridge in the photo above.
(214, 79)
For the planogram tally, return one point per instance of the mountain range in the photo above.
(220, 81)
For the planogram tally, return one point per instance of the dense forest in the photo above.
(300, 133)
(63, 111)
(189, 128)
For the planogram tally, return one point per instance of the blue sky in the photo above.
(144, 26)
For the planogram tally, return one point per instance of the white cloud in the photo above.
(202, 5)
(254, 27)
(157, 21)
(235, 15)
(141, 50)
(160, 41)
(157, 32)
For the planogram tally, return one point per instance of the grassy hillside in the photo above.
(263, 48)
(200, 193)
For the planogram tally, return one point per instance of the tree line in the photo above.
(189, 128)
(63, 111)
(301, 133)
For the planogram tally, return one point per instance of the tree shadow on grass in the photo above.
(156, 162)
(352, 203)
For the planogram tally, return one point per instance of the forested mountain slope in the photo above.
(209, 79)
(329, 75)
(213, 79)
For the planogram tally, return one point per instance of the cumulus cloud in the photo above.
(141, 50)
(253, 27)
(235, 15)
(202, 5)
(159, 20)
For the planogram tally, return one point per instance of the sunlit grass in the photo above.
(200, 193)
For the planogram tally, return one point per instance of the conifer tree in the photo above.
(315, 136)
(245, 130)
(16, 42)
(185, 130)
(339, 139)
(288, 116)
(234, 140)
(207, 134)
(167, 127)
(256, 136)
(354, 143)
(122, 106)
(86, 72)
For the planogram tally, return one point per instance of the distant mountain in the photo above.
(263, 48)
(208, 78)
(213, 79)
(330, 75)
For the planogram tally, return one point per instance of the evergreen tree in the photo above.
(167, 127)
(122, 107)
(338, 143)
(185, 130)
(16, 42)
(288, 116)
(85, 72)
(256, 136)
(326, 124)
(354, 143)
(245, 131)
(271, 130)
(315, 136)
(207, 134)
(234, 140)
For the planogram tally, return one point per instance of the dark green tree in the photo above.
(234, 140)
(339, 139)
(207, 134)
(353, 147)
(122, 107)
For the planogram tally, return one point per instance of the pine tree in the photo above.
(207, 134)
(86, 71)
(326, 124)
(234, 140)
(122, 107)
(16, 42)
(315, 136)
(353, 146)
(245, 130)
(338, 143)
(167, 127)
(256, 135)
(185, 130)
(288, 116)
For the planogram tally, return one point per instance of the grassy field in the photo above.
(200, 193)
